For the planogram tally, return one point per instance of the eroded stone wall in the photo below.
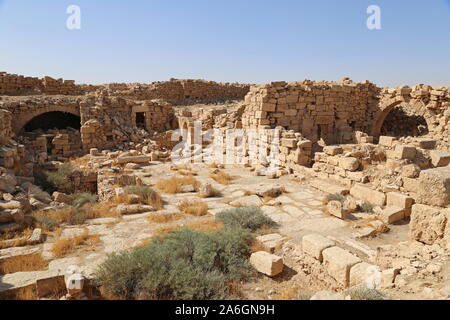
(13, 84)
(318, 110)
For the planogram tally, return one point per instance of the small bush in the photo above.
(175, 184)
(364, 293)
(221, 177)
(164, 217)
(195, 208)
(50, 220)
(59, 178)
(367, 207)
(184, 265)
(48, 224)
(31, 262)
(63, 247)
(81, 199)
(146, 195)
(252, 218)
(334, 197)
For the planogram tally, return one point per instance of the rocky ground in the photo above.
(418, 271)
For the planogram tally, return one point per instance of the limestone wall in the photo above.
(181, 91)
(318, 110)
(13, 84)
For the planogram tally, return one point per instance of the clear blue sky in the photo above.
(251, 41)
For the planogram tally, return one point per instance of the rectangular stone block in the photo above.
(349, 163)
(333, 150)
(400, 200)
(359, 273)
(404, 152)
(440, 158)
(314, 244)
(427, 144)
(338, 263)
(392, 215)
(289, 143)
(133, 159)
(434, 187)
(267, 263)
(386, 141)
(367, 194)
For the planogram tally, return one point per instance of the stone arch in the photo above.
(24, 118)
(386, 106)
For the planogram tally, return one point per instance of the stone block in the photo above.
(333, 150)
(328, 187)
(359, 273)
(440, 158)
(400, 200)
(428, 224)
(133, 159)
(338, 263)
(434, 187)
(349, 163)
(314, 244)
(392, 215)
(386, 141)
(271, 242)
(367, 194)
(266, 263)
(410, 171)
(62, 197)
(427, 144)
(404, 152)
(336, 209)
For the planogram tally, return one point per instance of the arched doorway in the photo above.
(56, 133)
(53, 120)
(403, 121)
(402, 118)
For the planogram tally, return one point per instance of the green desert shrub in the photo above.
(81, 199)
(252, 218)
(146, 195)
(367, 207)
(364, 293)
(59, 178)
(183, 265)
(334, 197)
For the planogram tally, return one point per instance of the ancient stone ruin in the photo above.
(359, 185)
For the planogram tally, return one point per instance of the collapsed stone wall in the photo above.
(431, 103)
(181, 91)
(318, 110)
(13, 84)
(176, 91)
(108, 120)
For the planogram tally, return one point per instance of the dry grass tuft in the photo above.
(221, 177)
(164, 217)
(214, 194)
(63, 247)
(143, 195)
(205, 226)
(163, 231)
(213, 165)
(195, 208)
(15, 239)
(79, 162)
(257, 246)
(175, 184)
(31, 262)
